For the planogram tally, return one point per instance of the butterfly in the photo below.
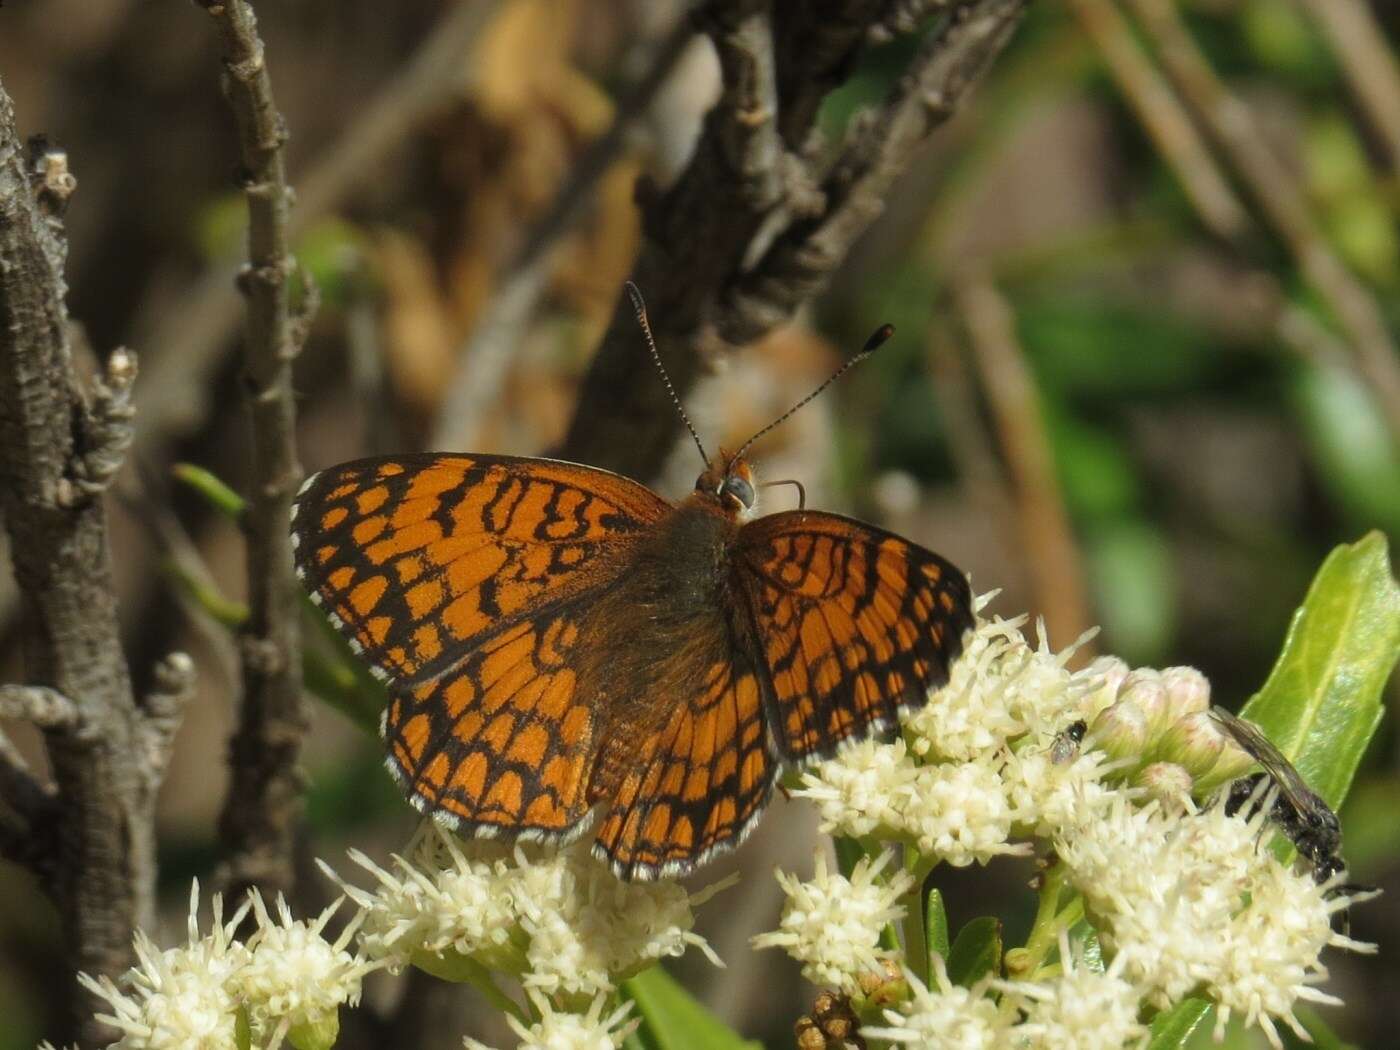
(557, 639)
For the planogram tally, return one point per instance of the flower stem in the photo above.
(479, 977)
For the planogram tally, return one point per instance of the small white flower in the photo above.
(178, 999)
(945, 1017)
(1081, 1007)
(832, 924)
(556, 1030)
(294, 980)
(860, 791)
(1046, 795)
(958, 812)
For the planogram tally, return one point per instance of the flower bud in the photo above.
(1120, 731)
(1187, 689)
(1143, 689)
(1166, 781)
(1106, 675)
(1193, 741)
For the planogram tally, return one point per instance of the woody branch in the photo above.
(260, 814)
(763, 213)
(90, 836)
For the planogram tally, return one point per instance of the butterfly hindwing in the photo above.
(700, 781)
(854, 623)
(417, 559)
(502, 743)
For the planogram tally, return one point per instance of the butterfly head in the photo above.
(729, 483)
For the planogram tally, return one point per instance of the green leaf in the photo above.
(1173, 1028)
(673, 1020)
(209, 485)
(977, 951)
(1321, 703)
(936, 924)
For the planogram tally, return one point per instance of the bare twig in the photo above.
(725, 257)
(880, 147)
(1052, 556)
(96, 846)
(187, 344)
(1229, 122)
(481, 365)
(262, 807)
(47, 708)
(1368, 63)
(1163, 118)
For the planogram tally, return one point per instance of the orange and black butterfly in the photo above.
(557, 638)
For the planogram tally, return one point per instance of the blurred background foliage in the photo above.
(1124, 388)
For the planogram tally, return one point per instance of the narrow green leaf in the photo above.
(217, 494)
(936, 924)
(977, 951)
(1171, 1029)
(674, 1020)
(1322, 1035)
(1321, 703)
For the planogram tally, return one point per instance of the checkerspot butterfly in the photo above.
(557, 638)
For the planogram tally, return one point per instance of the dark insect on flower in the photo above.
(1298, 812)
(1065, 747)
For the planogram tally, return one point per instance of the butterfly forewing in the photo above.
(417, 559)
(855, 624)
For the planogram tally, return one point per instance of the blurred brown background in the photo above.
(1118, 390)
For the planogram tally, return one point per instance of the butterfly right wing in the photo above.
(461, 580)
(855, 624)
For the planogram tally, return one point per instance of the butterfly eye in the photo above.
(739, 488)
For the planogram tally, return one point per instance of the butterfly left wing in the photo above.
(855, 624)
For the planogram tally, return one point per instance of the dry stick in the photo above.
(1368, 63)
(1168, 124)
(1229, 122)
(481, 364)
(263, 804)
(188, 344)
(1052, 556)
(95, 846)
(714, 268)
(879, 149)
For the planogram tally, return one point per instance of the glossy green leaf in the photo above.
(1322, 701)
(672, 1019)
(1173, 1028)
(977, 951)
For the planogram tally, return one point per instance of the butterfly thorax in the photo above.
(670, 609)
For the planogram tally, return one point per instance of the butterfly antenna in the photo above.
(880, 336)
(638, 304)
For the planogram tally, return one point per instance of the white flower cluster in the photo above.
(556, 1030)
(286, 981)
(1187, 901)
(1182, 898)
(975, 766)
(832, 925)
(1082, 1007)
(559, 921)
